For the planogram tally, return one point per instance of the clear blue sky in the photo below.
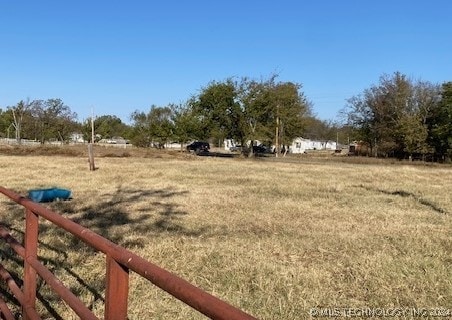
(122, 56)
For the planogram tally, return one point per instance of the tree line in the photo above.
(245, 109)
(403, 118)
(398, 117)
(40, 120)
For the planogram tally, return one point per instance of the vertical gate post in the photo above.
(117, 290)
(31, 252)
(92, 167)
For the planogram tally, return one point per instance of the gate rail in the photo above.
(119, 261)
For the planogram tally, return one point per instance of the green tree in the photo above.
(414, 134)
(154, 128)
(141, 132)
(109, 126)
(288, 109)
(105, 127)
(250, 110)
(390, 100)
(6, 123)
(162, 125)
(413, 123)
(187, 126)
(52, 120)
(218, 111)
(237, 110)
(392, 117)
(254, 100)
(440, 124)
(272, 111)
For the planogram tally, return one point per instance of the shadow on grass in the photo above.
(406, 194)
(15, 269)
(153, 213)
(113, 213)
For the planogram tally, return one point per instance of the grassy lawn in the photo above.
(272, 238)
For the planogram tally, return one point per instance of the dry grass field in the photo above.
(274, 238)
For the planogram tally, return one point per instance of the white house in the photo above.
(77, 137)
(231, 143)
(300, 145)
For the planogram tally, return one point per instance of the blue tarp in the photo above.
(48, 195)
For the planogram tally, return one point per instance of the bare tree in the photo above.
(18, 113)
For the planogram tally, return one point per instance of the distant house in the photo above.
(231, 144)
(120, 140)
(115, 140)
(173, 145)
(301, 145)
(77, 138)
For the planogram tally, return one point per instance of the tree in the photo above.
(317, 129)
(105, 127)
(414, 134)
(272, 111)
(6, 123)
(218, 111)
(187, 125)
(389, 102)
(141, 133)
(162, 126)
(392, 117)
(413, 123)
(52, 120)
(236, 110)
(440, 124)
(250, 110)
(18, 113)
(359, 117)
(288, 107)
(154, 128)
(253, 97)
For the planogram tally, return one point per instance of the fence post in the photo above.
(117, 290)
(92, 167)
(31, 252)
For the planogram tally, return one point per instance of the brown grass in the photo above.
(274, 238)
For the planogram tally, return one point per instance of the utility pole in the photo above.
(92, 167)
(277, 132)
(277, 136)
(92, 125)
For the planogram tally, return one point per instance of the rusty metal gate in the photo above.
(119, 262)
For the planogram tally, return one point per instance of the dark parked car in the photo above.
(198, 147)
(261, 149)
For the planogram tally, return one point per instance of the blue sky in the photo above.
(122, 56)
